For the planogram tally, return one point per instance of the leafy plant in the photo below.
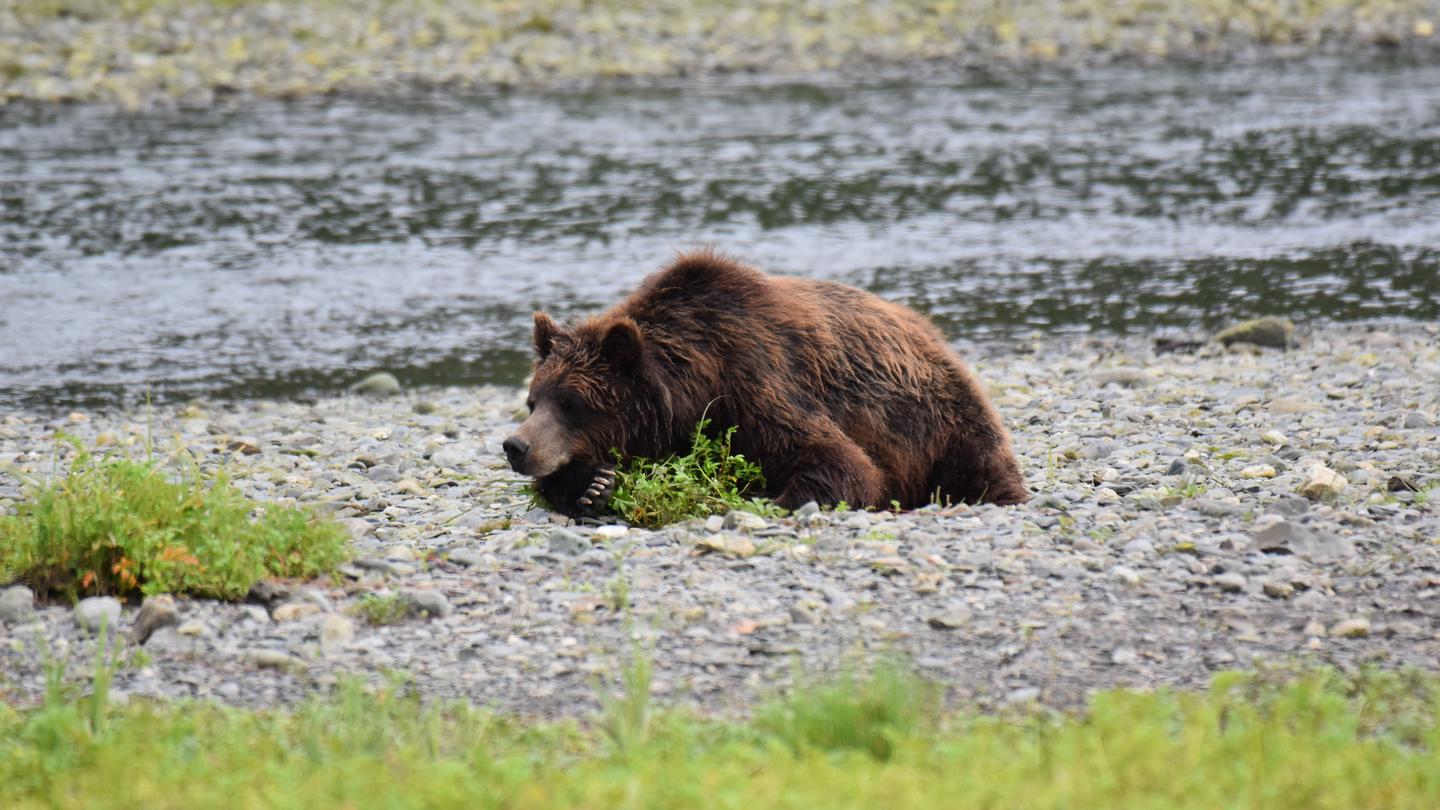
(119, 526)
(710, 479)
(381, 610)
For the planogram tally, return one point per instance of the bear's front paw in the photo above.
(598, 495)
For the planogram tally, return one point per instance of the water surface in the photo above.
(280, 248)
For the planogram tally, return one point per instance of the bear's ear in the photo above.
(545, 332)
(622, 345)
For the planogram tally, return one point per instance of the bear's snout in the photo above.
(516, 449)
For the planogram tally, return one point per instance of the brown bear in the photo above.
(838, 395)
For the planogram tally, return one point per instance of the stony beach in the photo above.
(1195, 510)
(141, 53)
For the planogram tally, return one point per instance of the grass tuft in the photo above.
(710, 479)
(380, 610)
(119, 526)
(1320, 740)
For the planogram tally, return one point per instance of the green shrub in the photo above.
(869, 715)
(119, 526)
(710, 479)
(381, 610)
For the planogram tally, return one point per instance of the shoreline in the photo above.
(1165, 542)
(141, 53)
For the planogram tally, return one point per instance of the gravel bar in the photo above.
(1196, 510)
(136, 53)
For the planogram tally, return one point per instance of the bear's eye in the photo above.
(530, 404)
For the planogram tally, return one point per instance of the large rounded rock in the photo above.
(17, 605)
(95, 612)
(1275, 333)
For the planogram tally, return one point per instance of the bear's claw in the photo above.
(598, 495)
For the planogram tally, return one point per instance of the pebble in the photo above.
(382, 383)
(93, 612)
(1351, 628)
(17, 605)
(949, 619)
(1323, 483)
(1232, 582)
(155, 612)
(336, 633)
(426, 603)
(567, 543)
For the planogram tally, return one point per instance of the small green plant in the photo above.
(710, 479)
(380, 610)
(119, 526)
(625, 713)
(869, 714)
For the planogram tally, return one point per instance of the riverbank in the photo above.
(141, 52)
(1184, 523)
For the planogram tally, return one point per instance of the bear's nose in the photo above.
(515, 449)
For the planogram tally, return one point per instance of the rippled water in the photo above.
(277, 248)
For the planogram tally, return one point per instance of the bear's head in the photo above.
(583, 395)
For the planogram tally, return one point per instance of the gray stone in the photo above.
(468, 557)
(808, 510)
(857, 522)
(17, 605)
(1214, 508)
(1099, 450)
(1231, 582)
(1120, 375)
(1139, 546)
(382, 383)
(565, 543)
(737, 519)
(714, 524)
(1276, 333)
(1177, 467)
(93, 612)
(426, 603)
(336, 633)
(156, 612)
(452, 457)
(951, 618)
(1417, 420)
(1309, 542)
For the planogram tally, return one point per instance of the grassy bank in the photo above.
(133, 52)
(1322, 741)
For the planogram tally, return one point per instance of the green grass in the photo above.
(1320, 741)
(710, 479)
(120, 526)
(381, 610)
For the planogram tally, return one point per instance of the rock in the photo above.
(1177, 467)
(1323, 484)
(1258, 471)
(1275, 333)
(276, 659)
(715, 524)
(17, 605)
(732, 545)
(801, 613)
(1214, 508)
(857, 522)
(294, 611)
(1399, 483)
(1124, 657)
(1278, 590)
(93, 612)
(1274, 437)
(1099, 450)
(379, 384)
(1417, 420)
(409, 486)
(807, 511)
(452, 457)
(1025, 694)
(952, 618)
(738, 519)
(426, 603)
(565, 543)
(1125, 574)
(1230, 582)
(1119, 375)
(1310, 542)
(612, 532)
(336, 633)
(1139, 546)
(156, 612)
(468, 557)
(1351, 628)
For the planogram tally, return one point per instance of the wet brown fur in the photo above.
(839, 395)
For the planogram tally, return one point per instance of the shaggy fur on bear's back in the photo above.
(837, 394)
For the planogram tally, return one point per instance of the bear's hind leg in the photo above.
(977, 469)
(828, 471)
